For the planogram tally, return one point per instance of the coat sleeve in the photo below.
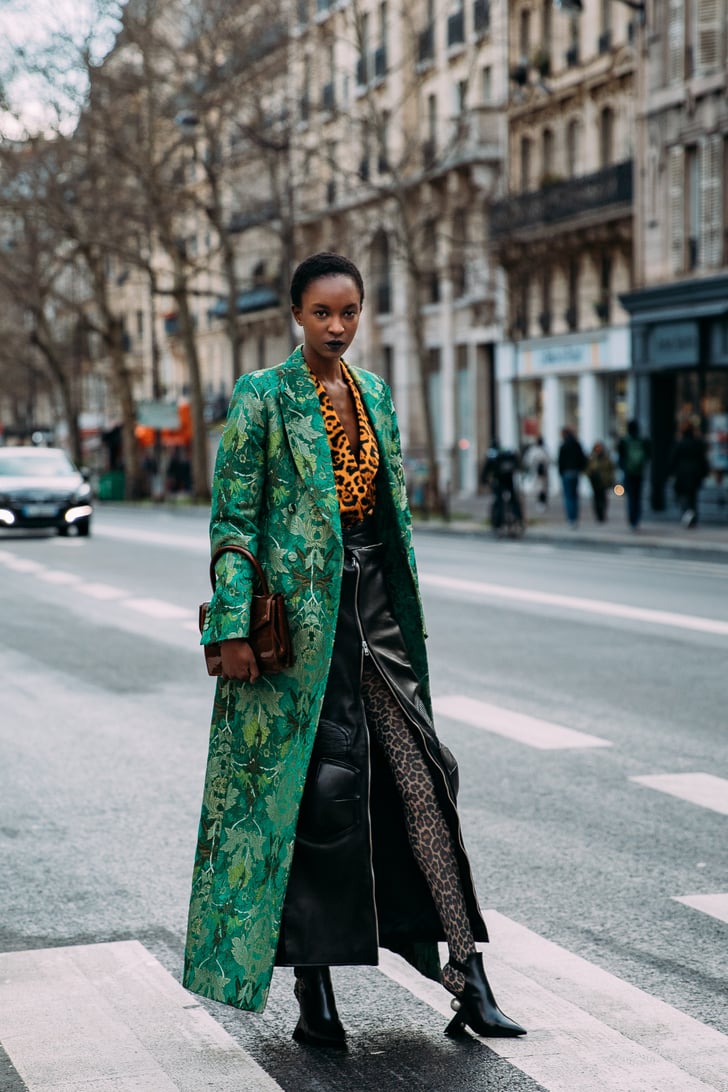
(238, 488)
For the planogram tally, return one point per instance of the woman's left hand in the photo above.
(238, 660)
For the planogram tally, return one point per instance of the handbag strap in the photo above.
(246, 554)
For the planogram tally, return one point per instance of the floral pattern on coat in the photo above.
(274, 492)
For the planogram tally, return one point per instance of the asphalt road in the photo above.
(104, 722)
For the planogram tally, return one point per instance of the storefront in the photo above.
(580, 380)
(680, 366)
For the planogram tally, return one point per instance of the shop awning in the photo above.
(253, 299)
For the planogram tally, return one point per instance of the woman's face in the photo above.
(329, 314)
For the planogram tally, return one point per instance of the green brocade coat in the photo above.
(274, 492)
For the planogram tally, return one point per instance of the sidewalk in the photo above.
(665, 535)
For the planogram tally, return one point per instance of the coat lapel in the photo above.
(306, 432)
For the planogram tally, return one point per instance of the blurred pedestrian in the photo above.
(634, 454)
(571, 462)
(600, 472)
(499, 473)
(536, 461)
(329, 824)
(689, 466)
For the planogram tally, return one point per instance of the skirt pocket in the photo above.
(330, 806)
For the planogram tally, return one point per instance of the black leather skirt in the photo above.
(354, 883)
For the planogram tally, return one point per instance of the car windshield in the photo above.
(46, 464)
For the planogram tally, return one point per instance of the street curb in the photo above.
(642, 542)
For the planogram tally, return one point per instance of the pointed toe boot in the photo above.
(475, 1005)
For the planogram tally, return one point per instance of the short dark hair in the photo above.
(323, 264)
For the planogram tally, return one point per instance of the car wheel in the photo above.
(63, 530)
(84, 527)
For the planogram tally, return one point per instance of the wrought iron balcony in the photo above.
(593, 193)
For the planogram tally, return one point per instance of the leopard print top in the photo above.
(355, 486)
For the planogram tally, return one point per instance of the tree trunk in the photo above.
(200, 461)
(125, 394)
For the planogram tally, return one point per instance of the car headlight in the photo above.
(83, 492)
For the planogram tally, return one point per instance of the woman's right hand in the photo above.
(238, 660)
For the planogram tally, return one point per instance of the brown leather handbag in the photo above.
(269, 635)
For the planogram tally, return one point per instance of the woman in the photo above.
(689, 465)
(329, 823)
(600, 472)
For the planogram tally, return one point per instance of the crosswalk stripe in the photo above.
(715, 905)
(101, 591)
(21, 564)
(109, 1017)
(58, 576)
(578, 603)
(158, 608)
(706, 790)
(587, 1029)
(542, 734)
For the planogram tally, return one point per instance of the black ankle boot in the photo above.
(476, 1006)
(319, 1023)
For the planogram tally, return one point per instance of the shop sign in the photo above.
(560, 356)
(674, 343)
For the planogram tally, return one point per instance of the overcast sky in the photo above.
(29, 26)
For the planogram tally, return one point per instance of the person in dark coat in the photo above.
(600, 472)
(634, 454)
(689, 466)
(572, 462)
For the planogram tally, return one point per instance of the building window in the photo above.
(544, 318)
(602, 305)
(481, 17)
(571, 316)
(692, 205)
(676, 200)
(383, 155)
(525, 163)
(362, 64)
(524, 33)
(456, 25)
(486, 84)
(460, 90)
(573, 150)
(606, 136)
(547, 156)
(523, 311)
(381, 274)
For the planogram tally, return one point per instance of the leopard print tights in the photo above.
(429, 835)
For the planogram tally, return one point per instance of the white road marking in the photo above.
(542, 734)
(101, 591)
(157, 608)
(587, 1029)
(22, 564)
(156, 538)
(57, 576)
(703, 789)
(578, 603)
(715, 905)
(109, 1017)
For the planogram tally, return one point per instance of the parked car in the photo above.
(40, 487)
